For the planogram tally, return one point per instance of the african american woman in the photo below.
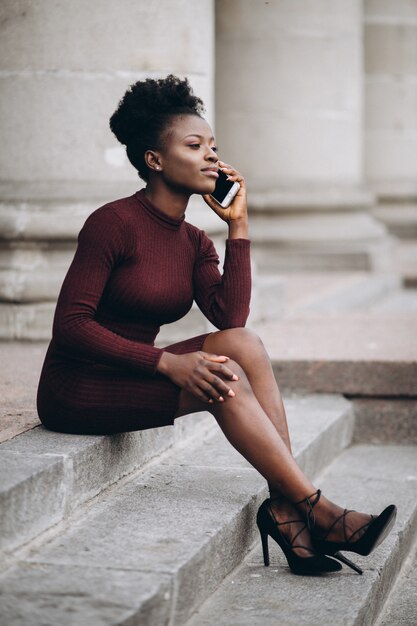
(139, 265)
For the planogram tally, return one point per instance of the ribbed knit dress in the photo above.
(135, 269)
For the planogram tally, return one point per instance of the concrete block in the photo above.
(94, 462)
(75, 596)
(355, 355)
(401, 606)
(33, 491)
(400, 219)
(341, 292)
(26, 321)
(56, 221)
(88, 465)
(171, 518)
(318, 242)
(388, 420)
(33, 272)
(312, 230)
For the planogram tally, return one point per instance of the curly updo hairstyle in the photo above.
(145, 112)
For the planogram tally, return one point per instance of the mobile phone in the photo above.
(225, 190)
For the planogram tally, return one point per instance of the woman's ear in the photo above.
(152, 160)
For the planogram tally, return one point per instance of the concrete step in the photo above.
(46, 475)
(357, 354)
(401, 606)
(365, 478)
(295, 294)
(152, 547)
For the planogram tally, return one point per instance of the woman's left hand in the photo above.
(238, 209)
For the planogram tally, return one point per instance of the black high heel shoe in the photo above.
(376, 531)
(267, 524)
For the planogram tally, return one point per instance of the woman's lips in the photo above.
(213, 173)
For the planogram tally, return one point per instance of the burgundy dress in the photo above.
(135, 269)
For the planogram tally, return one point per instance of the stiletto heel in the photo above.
(376, 531)
(267, 525)
(340, 557)
(265, 549)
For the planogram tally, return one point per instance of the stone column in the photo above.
(63, 68)
(289, 115)
(391, 111)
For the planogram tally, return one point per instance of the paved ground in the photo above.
(20, 366)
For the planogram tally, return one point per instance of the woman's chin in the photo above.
(208, 187)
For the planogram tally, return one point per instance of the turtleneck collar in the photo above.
(156, 214)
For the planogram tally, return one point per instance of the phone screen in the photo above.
(222, 188)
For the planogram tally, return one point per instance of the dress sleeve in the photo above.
(224, 299)
(102, 243)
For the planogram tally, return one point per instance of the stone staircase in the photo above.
(157, 527)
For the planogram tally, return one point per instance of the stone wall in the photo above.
(63, 68)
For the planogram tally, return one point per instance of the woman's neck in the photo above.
(166, 200)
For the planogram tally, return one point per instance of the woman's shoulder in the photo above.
(116, 211)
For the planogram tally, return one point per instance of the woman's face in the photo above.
(188, 159)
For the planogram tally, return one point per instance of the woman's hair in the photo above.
(145, 112)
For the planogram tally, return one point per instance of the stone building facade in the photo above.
(316, 103)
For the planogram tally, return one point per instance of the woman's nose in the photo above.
(212, 155)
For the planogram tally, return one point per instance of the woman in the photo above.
(139, 265)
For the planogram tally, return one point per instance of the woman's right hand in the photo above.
(202, 374)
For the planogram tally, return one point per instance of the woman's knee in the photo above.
(234, 341)
(243, 382)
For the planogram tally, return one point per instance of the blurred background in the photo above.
(314, 101)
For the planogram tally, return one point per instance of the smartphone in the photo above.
(225, 190)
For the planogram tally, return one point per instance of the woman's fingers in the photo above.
(217, 358)
(203, 374)
(220, 367)
(231, 172)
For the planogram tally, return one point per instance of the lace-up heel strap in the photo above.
(349, 539)
(291, 521)
(343, 518)
(310, 507)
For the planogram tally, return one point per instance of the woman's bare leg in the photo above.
(252, 433)
(256, 433)
(247, 349)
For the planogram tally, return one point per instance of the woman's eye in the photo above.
(215, 149)
(194, 145)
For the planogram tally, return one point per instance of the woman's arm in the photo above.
(225, 299)
(102, 243)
